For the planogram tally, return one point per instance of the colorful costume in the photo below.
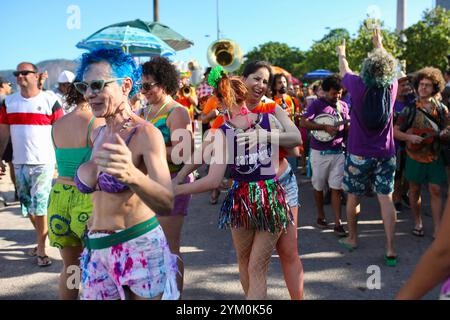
(256, 200)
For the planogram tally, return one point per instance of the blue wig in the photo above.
(122, 65)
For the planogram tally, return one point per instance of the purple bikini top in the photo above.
(105, 181)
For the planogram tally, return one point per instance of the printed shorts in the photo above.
(68, 213)
(361, 173)
(144, 264)
(289, 183)
(33, 183)
(327, 169)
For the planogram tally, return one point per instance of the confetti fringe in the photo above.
(257, 205)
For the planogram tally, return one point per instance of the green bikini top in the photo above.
(69, 159)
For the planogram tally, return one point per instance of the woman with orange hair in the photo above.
(255, 207)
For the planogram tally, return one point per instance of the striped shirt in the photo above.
(30, 121)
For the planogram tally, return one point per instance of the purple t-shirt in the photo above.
(361, 140)
(320, 106)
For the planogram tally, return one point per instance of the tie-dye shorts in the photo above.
(145, 265)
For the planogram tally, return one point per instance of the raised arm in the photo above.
(343, 63)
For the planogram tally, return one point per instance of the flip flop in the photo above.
(390, 261)
(347, 246)
(418, 232)
(43, 261)
(32, 252)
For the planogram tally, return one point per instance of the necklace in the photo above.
(127, 124)
(150, 108)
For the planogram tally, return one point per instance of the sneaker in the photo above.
(339, 231)
(321, 223)
(398, 207)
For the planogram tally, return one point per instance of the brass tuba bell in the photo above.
(225, 53)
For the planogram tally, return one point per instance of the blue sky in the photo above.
(36, 31)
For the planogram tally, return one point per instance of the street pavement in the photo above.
(211, 272)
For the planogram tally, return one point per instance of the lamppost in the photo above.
(217, 14)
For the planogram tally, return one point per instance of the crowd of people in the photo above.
(123, 187)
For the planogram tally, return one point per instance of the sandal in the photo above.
(346, 245)
(390, 261)
(43, 261)
(32, 252)
(418, 232)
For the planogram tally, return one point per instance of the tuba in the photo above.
(225, 53)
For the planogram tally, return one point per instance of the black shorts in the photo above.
(8, 154)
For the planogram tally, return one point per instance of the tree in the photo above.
(428, 41)
(322, 54)
(359, 47)
(278, 54)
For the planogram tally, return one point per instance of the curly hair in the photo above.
(432, 74)
(72, 96)
(332, 82)
(164, 73)
(122, 65)
(379, 69)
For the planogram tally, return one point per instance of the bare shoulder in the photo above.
(148, 135)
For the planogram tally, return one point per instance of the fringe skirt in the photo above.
(259, 205)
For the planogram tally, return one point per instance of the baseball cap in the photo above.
(66, 76)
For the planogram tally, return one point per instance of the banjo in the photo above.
(328, 119)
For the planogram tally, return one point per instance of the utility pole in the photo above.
(401, 15)
(217, 13)
(156, 10)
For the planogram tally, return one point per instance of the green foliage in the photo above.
(278, 54)
(322, 54)
(361, 45)
(428, 41)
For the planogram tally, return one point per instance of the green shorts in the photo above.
(424, 173)
(68, 213)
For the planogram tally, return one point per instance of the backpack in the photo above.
(376, 109)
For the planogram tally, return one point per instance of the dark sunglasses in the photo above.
(146, 86)
(23, 73)
(96, 86)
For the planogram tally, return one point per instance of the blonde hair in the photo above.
(379, 68)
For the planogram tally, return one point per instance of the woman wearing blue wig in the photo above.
(126, 254)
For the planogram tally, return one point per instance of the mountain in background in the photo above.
(54, 68)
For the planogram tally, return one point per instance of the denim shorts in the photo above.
(363, 172)
(289, 183)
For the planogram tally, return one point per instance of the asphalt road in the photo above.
(211, 271)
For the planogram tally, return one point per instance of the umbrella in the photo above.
(135, 41)
(318, 74)
(175, 40)
(276, 70)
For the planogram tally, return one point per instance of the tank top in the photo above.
(69, 159)
(250, 166)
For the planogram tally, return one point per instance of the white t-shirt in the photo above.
(30, 121)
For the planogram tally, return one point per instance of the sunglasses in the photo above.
(146, 86)
(96, 86)
(23, 73)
